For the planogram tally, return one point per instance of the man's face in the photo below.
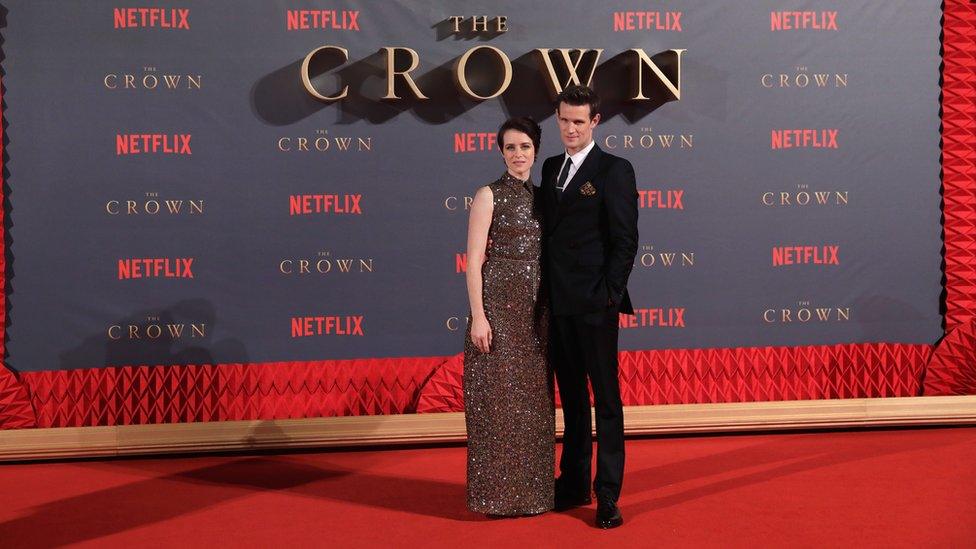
(575, 125)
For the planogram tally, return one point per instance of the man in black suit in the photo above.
(589, 201)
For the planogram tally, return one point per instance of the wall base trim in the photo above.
(286, 434)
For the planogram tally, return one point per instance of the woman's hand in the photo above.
(481, 334)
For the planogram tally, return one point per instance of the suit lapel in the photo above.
(550, 196)
(583, 174)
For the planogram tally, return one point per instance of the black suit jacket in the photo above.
(590, 234)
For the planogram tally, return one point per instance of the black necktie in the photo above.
(561, 182)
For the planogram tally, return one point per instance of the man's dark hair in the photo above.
(522, 124)
(578, 96)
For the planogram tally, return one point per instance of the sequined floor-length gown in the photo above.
(508, 392)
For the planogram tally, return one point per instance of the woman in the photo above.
(508, 391)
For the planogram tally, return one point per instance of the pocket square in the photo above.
(587, 189)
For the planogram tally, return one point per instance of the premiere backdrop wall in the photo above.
(178, 196)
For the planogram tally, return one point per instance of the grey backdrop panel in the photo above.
(62, 170)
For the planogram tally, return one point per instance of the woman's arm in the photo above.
(479, 221)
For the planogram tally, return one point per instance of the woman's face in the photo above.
(518, 151)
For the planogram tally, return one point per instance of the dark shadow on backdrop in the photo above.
(99, 350)
(279, 98)
(616, 82)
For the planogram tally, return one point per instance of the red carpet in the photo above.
(894, 488)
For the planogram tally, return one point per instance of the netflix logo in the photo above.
(461, 263)
(670, 199)
(339, 204)
(474, 142)
(322, 20)
(306, 326)
(624, 21)
(805, 255)
(163, 18)
(669, 317)
(802, 20)
(157, 267)
(804, 138)
(152, 143)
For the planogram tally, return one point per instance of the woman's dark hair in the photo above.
(521, 124)
(578, 96)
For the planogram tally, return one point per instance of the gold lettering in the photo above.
(307, 81)
(462, 79)
(457, 22)
(644, 59)
(571, 66)
(392, 73)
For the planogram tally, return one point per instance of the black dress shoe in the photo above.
(607, 513)
(567, 499)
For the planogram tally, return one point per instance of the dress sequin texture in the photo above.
(508, 393)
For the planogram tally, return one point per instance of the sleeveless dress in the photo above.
(508, 392)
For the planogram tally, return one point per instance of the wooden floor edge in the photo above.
(130, 440)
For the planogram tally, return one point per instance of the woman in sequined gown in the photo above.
(508, 389)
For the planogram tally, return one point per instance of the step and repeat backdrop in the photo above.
(201, 182)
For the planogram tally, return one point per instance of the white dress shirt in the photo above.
(575, 161)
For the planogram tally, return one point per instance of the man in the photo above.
(589, 201)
